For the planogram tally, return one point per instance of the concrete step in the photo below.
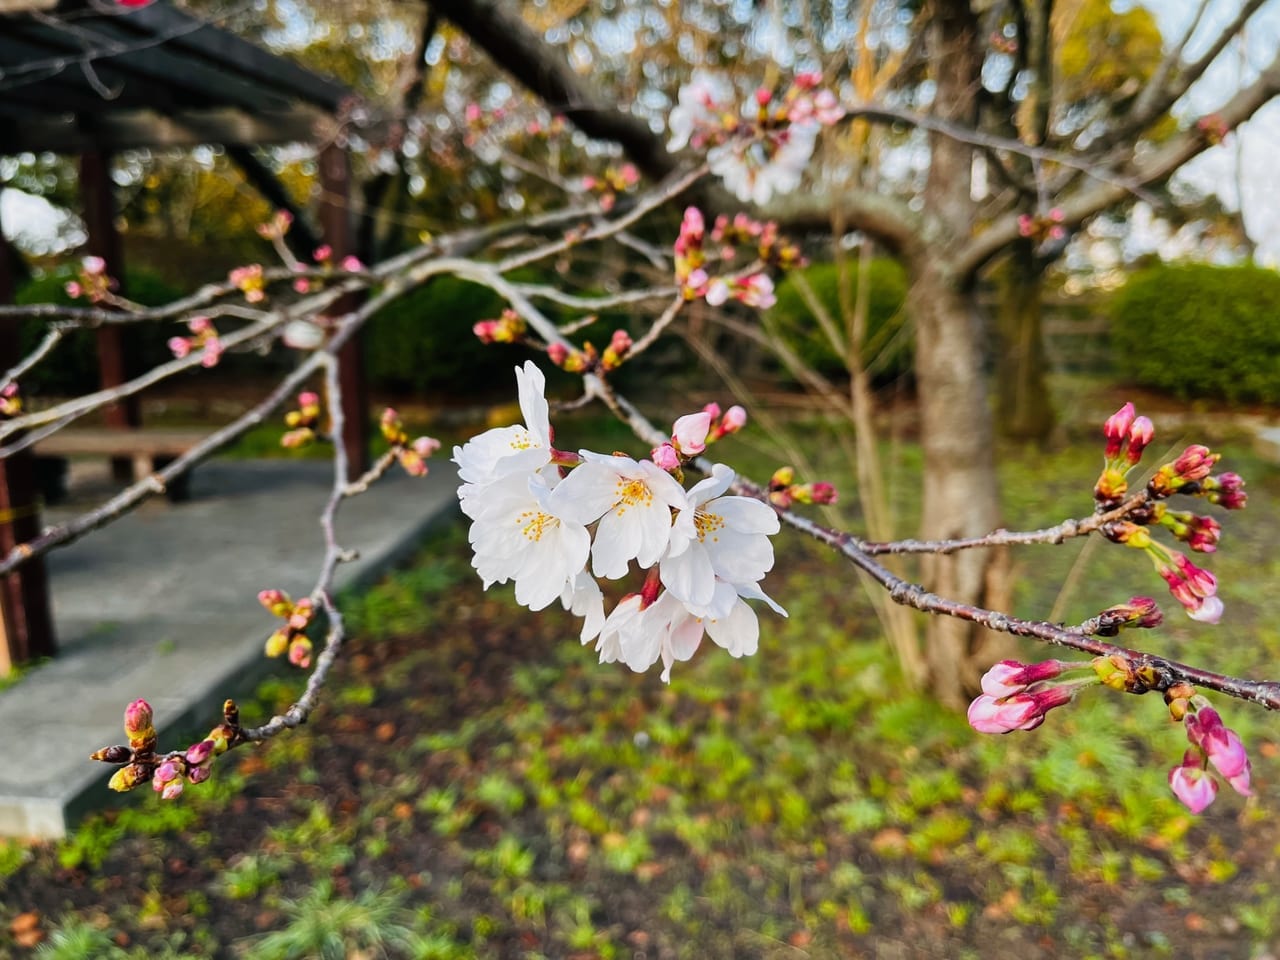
(163, 605)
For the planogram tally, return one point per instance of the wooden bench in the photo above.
(148, 450)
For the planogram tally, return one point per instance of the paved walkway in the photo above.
(162, 605)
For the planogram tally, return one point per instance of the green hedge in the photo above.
(1201, 331)
(422, 343)
(886, 347)
(73, 367)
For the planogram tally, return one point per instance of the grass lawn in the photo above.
(477, 786)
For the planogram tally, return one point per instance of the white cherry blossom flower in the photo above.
(716, 537)
(754, 171)
(503, 451)
(582, 598)
(618, 627)
(516, 536)
(700, 109)
(632, 500)
(665, 631)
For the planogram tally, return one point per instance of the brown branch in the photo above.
(1009, 538)
(1148, 169)
(497, 28)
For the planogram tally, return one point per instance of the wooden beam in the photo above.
(335, 224)
(140, 129)
(114, 368)
(25, 617)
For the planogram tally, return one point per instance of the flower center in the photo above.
(633, 493)
(534, 523)
(707, 524)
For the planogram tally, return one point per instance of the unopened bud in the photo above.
(115, 754)
(782, 477)
(139, 726)
(1114, 671)
(126, 778)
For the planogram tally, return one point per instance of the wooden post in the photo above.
(114, 367)
(335, 224)
(24, 594)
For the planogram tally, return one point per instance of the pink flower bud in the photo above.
(735, 418)
(199, 325)
(717, 291)
(823, 492)
(1012, 676)
(1116, 429)
(308, 398)
(212, 353)
(198, 753)
(712, 409)
(1192, 786)
(1140, 434)
(621, 342)
(557, 353)
(1021, 711)
(689, 433)
(322, 253)
(486, 330)
(74, 290)
(666, 457)
(276, 601)
(94, 266)
(139, 725)
(352, 264)
(300, 652)
(425, 446)
(179, 346)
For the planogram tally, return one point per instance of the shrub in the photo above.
(423, 343)
(1201, 331)
(886, 346)
(75, 367)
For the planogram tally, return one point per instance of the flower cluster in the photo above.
(1212, 745)
(276, 228)
(1213, 128)
(412, 454)
(203, 337)
(139, 762)
(250, 281)
(534, 510)
(290, 637)
(508, 328)
(323, 256)
(92, 281)
(1190, 474)
(304, 422)
(10, 400)
(1042, 227)
(1016, 696)
(771, 248)
(753, 288)
(784, 491)
(692, 433)
(763, 147)
(588, 358)
(611, 183)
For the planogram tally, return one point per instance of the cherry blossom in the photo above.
(631, 499)
(517, 536)
(503, 451)
(717, 537)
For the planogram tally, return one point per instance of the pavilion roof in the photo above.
(81, 75)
